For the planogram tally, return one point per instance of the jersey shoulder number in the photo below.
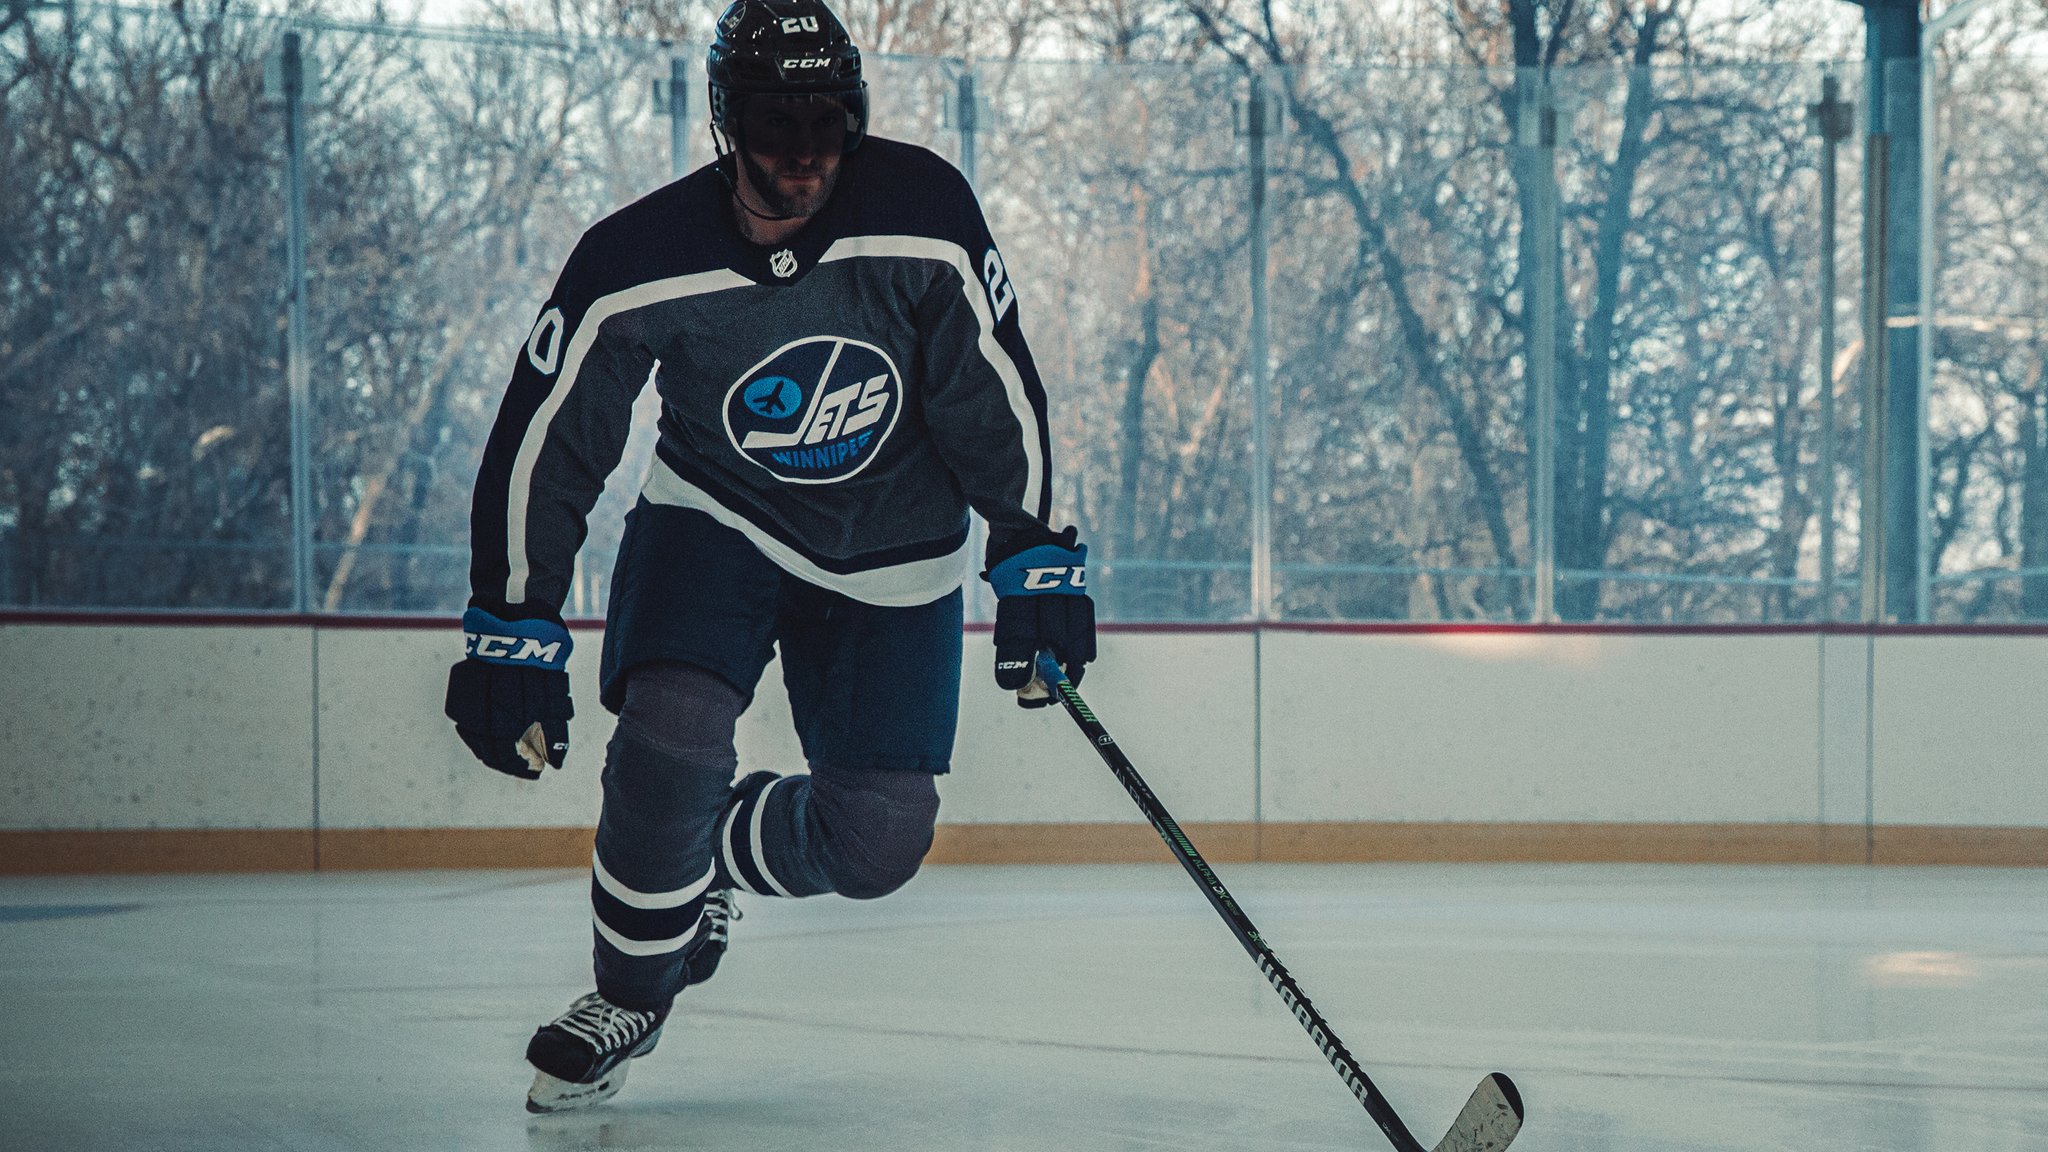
(1001, 293)
(544, 343)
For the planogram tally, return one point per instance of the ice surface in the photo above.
(1645, 1009)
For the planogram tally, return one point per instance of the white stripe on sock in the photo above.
(754, 835)
(632, 947)
(732, 866)
(634, 898)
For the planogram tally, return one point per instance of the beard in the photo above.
(782, 197)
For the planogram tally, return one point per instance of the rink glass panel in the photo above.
(1397, 424)
(1987, 405)
(449, 173)
(1689, 382)
(1117, 195)
(143, 414)
(1408, 244)
(449, 179)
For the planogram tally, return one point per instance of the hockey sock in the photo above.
(861, 834)
(763, 840)
(666, 777)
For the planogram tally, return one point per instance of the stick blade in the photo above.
(1489, 1120)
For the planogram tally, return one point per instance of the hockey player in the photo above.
(835, 342)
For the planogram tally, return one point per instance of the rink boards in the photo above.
(175, 743)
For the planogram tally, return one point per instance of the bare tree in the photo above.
(139, 460)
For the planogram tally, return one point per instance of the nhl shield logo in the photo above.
(817, 410)
(783, 263)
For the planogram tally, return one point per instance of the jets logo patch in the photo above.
(817, 410)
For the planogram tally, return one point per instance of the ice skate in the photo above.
(580, 1059)
(720, 910)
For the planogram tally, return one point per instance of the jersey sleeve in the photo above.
(983, 400)
(560, 431)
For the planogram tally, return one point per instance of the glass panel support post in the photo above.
(969, 123)
(1260, 113)
(298, 371)
(672, 99)
(1832, 118)
(1870, 549)
(1537, 135)
(1892, 53)
(979, 604)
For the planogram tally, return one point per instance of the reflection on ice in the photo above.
(1919, 969)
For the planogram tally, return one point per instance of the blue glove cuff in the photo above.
(1046, 570)
(520, 643)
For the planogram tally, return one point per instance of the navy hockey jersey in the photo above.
(841, 400)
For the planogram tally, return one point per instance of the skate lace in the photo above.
(606, 1025)
(720, 911)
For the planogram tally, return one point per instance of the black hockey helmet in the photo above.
(784, 48)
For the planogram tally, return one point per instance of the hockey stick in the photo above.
(1489, 1119)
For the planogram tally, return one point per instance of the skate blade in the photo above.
(553, 1094)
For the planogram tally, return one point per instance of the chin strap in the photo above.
(750, 210)
(727, 151)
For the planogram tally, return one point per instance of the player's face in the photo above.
(795, 144)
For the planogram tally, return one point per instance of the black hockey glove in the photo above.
(509, 697)
(1042, 605)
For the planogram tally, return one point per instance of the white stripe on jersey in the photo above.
(947, 252)
(602, 309)
(896, 586)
